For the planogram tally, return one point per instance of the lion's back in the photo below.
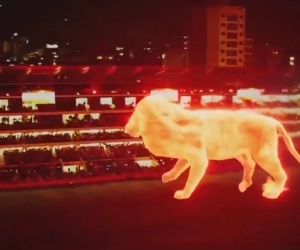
(173, 133)
(231, 133)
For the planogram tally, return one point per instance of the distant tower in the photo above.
(216, 35)
(19, 47)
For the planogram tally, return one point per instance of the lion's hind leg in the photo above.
(269, 161)
(180, 166)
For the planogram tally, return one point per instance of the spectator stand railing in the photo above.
(73, 143)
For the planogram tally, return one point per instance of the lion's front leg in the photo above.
(180, 166)
(199, 163)
(249, 165)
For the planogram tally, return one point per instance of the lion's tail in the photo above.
(288, 141)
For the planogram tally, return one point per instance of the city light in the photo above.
(51, 46)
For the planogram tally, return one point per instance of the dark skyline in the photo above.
(97, 25)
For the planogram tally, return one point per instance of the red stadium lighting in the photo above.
(111, 70)
(57, 70)
(85, 70)
(137, 70)
(28, 71)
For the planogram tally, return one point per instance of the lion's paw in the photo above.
(167, 177)
(271, 190)
(243, 186)
(271, 195)
(181, 195)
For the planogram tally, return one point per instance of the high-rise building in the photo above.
(225, 36)
(16, 48)
(248, 51)
(19, 47)
(216, 36)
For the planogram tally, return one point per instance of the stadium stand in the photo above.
(61, 132)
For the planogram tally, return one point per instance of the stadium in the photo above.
(71, 177)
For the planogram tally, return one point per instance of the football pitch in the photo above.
(143, 215)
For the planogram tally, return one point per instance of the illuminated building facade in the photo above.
(225, 36)
(16, 48)
(216, 36)
(248, 51)
(19, 47)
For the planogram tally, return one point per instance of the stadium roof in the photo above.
(154, 76)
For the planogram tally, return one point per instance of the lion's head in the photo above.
(154, 113)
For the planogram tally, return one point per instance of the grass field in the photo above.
(143, 215)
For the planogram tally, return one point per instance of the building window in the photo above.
(241, 52)
(231, 52)
(223, 42)
(231, 62)
(223, 34)
(241, 43)
(232, 26)
(232, 35)
(222, 60)
(223, 16)
(241, 17)
(223, 25)
(232, 44)
(241, 34)
(222, 51)
(241, 25)
(240, 60)
(232, 18)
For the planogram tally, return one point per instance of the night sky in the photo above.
(96, 25)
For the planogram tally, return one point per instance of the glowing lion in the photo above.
(195, 137)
